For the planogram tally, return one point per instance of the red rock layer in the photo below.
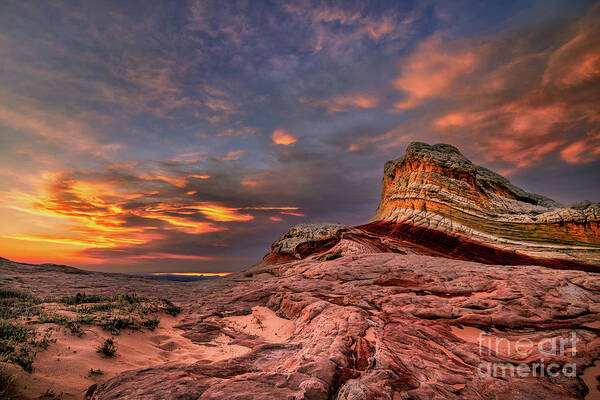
(459, 247)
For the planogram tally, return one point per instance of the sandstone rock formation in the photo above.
(435, 188)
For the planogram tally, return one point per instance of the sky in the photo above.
(187, 136)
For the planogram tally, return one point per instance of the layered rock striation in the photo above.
(435, 192)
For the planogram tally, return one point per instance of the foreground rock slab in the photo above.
(382, 326)
(362, 326)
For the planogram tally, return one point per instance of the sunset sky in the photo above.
(188, 135)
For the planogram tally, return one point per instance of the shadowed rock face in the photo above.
(437, 188)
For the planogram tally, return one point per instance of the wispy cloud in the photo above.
(344, 102)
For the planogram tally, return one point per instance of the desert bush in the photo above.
(151, 323)
(45, 341)
(100, 307)
(131, 299)
(19, 354)
(333, 256)
(95, 372)
(53, 318)
(170, 308)
(114, 324)
(82, 298)
(51, 395)
(7, 384)
(18, 344)
(75, 328)
(15, 294)
(85, 319)
(13, 332)
(15, 304)
(108, 348)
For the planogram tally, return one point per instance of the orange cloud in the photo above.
(222, 214)
(432, 69)
(344, 102)
(294, 214)
(283, 137)
(576, 62)
(583, 151)
(572, 153)
(251, 183)
(270, 208)
(459, 119)
(391, 139)
(96, 214)
(233, 155)
(21, 250)
(511, 150)
(532, 120)
(180, 181)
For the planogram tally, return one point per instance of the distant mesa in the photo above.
(436, 202)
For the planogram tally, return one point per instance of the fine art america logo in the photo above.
(551, 348)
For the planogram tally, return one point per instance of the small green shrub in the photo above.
(15, 304)
(45, 341)
(108, 348)
(85, 319)
(15, 294)
(130, 299)
(82, 298)
(170, 308)
(95, 372)
(49, 394)
(100, 307)
(333, 256)
(17, 344)
(114, 324)
(7, 384)
(53, 318)
(14, 332)
(75, 328)
(151, 323)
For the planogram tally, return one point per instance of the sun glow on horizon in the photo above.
(70, 215)
(192, 273)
